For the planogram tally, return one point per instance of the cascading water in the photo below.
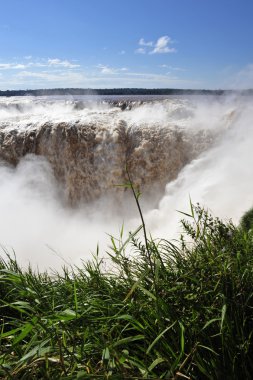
(62, 159)
(89, 145)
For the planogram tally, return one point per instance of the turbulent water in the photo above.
(62, 159)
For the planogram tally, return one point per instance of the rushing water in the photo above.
(62, 159)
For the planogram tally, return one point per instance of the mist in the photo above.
(42, 229)
(220, 179)
(37, 225)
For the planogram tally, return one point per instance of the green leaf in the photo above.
(21, 306)
(127, 185)
(155, 363)
(67, 315)
(128, 340)
(106, 354)
(223, 314)
(208, 349)
(181, 337)
(148, 293)
(80, 375)
(10, 332)
(184, 213)
(25, 331)
(37, 350)
(126, 317)
(203, 370)
(159, 337)
(13, 276)
(75, 298)
(135, 285)
(210, 322)
(131, 235)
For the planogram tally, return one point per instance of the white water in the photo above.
(220, 179)
(36, 224)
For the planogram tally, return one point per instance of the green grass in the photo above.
(182, 311)
(247, 220)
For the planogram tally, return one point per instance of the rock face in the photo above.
(89, 159)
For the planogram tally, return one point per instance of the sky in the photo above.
(134, 43)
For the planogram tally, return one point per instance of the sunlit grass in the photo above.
(172, 311)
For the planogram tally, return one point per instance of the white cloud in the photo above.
(18, 66)
(28, 57)
(67, 77)
(142, 42)
(162, 46)
(4, 66)
(140, 51)
(54, 63)
(107, 70)
(117, 77)
(58, 62)
(32, 74)
(8, 66)
(122, 52)
(164, 66)
(37, 64)
(138, 79)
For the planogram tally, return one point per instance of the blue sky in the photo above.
(132, 43)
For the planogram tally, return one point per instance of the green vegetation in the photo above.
(118, 91)
(247, 220)
(168, 311)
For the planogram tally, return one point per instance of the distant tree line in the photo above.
(118, 91)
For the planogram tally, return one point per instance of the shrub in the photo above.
(171, 311)
(247, 220)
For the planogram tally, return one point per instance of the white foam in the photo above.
(34, 216)
(220, 179)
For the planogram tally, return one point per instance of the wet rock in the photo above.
(89, 160)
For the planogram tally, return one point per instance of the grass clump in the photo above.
(170, 311)
(247, 220)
